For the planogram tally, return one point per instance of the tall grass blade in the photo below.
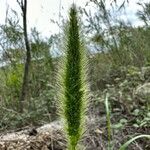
(108, 122)
(124, 146)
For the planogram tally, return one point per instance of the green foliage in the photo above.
(124, 44)
(142, 118)
(14, 78)
(10, 88)
(37, 112)
(40, 91)
(73, 82)
(144, 15)
(124, 146)
(118, 126)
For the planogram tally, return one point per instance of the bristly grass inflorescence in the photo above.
(73, 82)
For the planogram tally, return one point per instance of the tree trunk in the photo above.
(24, 88)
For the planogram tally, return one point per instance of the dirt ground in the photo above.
(50, 136)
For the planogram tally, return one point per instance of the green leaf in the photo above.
(117, 126)
(123, 121)
(124, 146)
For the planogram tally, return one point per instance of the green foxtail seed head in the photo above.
(72, 82)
